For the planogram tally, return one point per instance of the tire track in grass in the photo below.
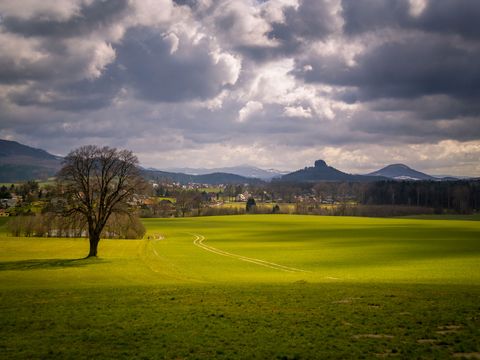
(156, 238)
(170, 270)
(199, 241)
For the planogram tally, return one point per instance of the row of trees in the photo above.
(462, 196)
(118, 226)
(459, 196)
(194, 203)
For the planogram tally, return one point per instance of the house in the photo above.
(243, 197)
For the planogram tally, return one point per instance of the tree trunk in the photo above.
(94, 240)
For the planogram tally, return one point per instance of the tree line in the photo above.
(49, 224)
(461, 196)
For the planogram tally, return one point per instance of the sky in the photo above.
(275, 84)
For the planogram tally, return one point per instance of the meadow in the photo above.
(250, 286)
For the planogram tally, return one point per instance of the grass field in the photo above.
(260, 286)
(284, 207)
(41, 183)
(473, 217)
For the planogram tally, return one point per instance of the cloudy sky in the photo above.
(277, 84)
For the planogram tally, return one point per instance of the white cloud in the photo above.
(152, 12)
(242, 23)
(297, 111)
(230, 64)
(417, 7)
(102, 55)
(173, 40)
(45, 9)
(248, 110)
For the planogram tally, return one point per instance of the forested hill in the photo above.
(19, 162)
(322, 172)
(213, 179)
(402, 172)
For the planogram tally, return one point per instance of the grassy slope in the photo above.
(473, 217)
(349, 249)
(374, 286)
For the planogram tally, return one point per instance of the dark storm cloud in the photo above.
(312, 19)
(91, 17)
(437, 107)
(47, 52)
(405, 69)
(78, 96)
(12, 71)
(191, 3)
(70, 64)
(408, 128)
(445, 16)
(452, 16)
(367, 15)
(159, 72)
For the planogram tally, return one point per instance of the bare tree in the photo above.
(97, 182)
(184, 201)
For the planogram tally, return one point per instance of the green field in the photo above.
(259, 286)
(284, 207)
(41, 183)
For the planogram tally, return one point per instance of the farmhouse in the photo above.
(243, 197)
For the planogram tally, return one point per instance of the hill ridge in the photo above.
(400, 172)
(323, 172)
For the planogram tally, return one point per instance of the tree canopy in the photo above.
(97, 182)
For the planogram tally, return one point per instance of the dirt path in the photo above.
(199, 241)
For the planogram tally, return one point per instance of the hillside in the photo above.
(19, 162)
(212, 179)
(241, 170)
(401, 172)
(322, 172)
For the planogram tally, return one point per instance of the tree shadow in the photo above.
(35, 264)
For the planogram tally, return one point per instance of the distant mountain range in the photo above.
(242, 170)
(216, 178)
(19, 162)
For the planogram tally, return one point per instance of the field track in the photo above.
(199, 241)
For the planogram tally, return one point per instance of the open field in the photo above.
(261, 286)
(212, 189)
(41, 183)
(284, 207)
(473, 217)
(7, 184)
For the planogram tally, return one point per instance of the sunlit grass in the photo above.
(348, 249)
(371, 287)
